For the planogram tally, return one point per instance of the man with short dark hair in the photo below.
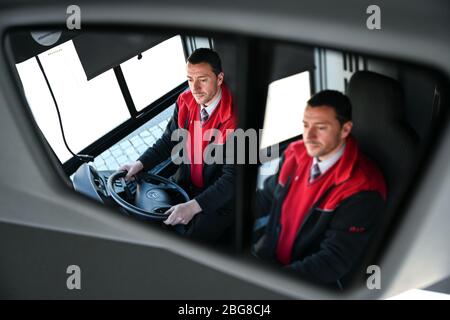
(325, 201)
(207, 105)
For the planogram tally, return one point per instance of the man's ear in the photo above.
(220, 78)
(346, 129)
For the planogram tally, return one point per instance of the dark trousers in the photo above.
(211, 227)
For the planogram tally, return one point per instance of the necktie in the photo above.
(204, 115)
(315, 172)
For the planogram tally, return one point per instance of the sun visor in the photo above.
(25, 44)
(99, 52)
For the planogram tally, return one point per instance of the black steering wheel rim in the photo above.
(158, 215)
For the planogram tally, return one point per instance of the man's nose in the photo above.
(197, 85)
(310, 133)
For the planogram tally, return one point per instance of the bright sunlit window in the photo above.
(89, 109)
(286, 101)
(160, 70)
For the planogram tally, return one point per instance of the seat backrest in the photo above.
(380, 128)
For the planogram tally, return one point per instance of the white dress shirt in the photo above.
(328, 163)
(212, 106)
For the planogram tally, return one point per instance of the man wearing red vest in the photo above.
(324, 203)
(206, 105)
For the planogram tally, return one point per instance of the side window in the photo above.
(155, 72)
(89, 109)
(284, 108)
(289, 89)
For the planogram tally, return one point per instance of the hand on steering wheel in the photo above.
(132, 169)
(153, 197)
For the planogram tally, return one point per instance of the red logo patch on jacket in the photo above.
(354, 229)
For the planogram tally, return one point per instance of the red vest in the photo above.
(351, 174)
(223, 118)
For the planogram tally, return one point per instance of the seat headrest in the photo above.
(375, 97)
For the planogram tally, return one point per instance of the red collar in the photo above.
(345, 164)
(224, 109)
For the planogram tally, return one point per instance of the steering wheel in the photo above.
(153, 195)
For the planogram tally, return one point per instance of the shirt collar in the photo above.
(328, 163)
(213, 104)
